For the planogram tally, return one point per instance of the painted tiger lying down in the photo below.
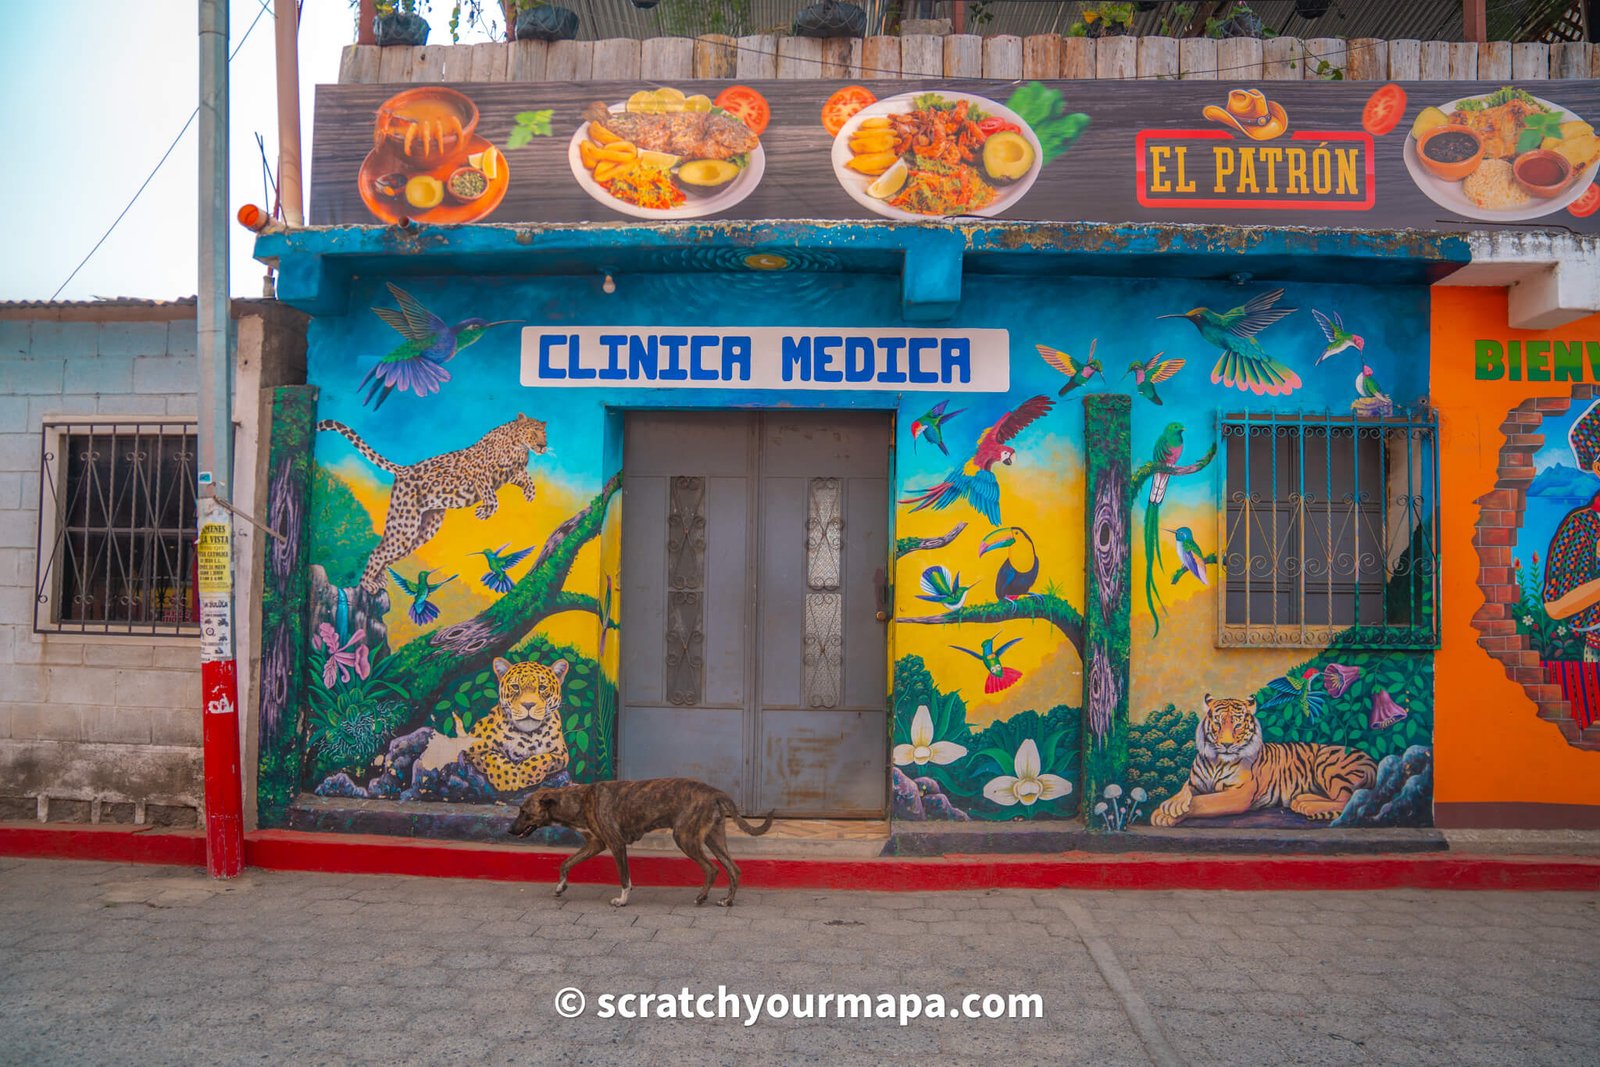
(1236, 771)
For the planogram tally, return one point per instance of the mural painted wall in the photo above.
(464, 543)
(1518, 667)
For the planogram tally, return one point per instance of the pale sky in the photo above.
(96, 91)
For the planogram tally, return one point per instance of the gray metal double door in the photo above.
(754, 550)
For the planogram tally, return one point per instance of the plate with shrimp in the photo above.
(936, 155)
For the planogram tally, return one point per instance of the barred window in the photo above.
(117, 528)
(1331, 523)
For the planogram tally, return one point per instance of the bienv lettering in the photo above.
(767, 358)
(1536, 360)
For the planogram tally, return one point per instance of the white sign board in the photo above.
(767, 358)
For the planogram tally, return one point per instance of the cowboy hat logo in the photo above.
(1251, 113)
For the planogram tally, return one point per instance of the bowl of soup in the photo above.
(1542, 173)
(1450, 151)
(427, 126)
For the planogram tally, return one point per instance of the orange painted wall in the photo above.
(1489, 746)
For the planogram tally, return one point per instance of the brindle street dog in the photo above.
(613, 815)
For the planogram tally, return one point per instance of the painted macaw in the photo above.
(999, 676)
(1021, 565)
(931, 425)
(422, 611)
(496, 577)
(1338, 337)
(1147, 374)
(1244, 364)
(1167, 451)
(1304, 689)
(1194, 560)
(974, 481)
(942, 588)
(418, 363)
(1078, 373)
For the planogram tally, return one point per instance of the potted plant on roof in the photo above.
(540, 20)
(400, 22)
(830, 19)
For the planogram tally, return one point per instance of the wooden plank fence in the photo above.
(1044, 56)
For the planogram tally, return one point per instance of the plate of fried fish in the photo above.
(1505, 156)
(662, 154)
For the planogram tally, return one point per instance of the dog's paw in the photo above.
(725, 902)
(619, 902)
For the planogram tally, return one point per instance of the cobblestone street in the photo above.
(106, 963)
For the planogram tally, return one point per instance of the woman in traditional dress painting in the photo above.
(1572, 565)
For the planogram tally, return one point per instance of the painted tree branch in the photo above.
(906, 545)
(1044, 607)
(434, 659)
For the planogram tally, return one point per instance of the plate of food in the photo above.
(1506, 156)
(936, 155)
(428, 161)
(663, 155)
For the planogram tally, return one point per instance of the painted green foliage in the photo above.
(977, 775)
(342, 537)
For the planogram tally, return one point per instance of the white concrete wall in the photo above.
(86, 718)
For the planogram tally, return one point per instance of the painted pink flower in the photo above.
(1385, 712)
(327, 638)
(342, 662)
(1337, 677)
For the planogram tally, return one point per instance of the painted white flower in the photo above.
(1138, 794)
(923, 748)
(1527, 620)
(1028, 785)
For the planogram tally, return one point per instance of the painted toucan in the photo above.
(1020, 566)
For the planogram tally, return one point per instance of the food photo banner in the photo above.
(1413, 155)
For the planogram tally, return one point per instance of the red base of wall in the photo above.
(353, 854)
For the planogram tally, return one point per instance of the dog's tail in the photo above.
(726, 805)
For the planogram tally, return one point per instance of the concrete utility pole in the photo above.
(218, 673)
(287, 14)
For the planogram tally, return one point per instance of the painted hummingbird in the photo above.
(1338, 337)
(1366, 384)
(422, 610)
(1190, 554)
(940, 587)
(1166, 453)
(931, 425)
(1077, 372)
(1244, 364)
(1303, 689)
(496, 577)
(1000, 676)
(1148, 373)
(974, 480)
(1020, 567)
(418, 363)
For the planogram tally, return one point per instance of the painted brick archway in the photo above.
(1499, 522)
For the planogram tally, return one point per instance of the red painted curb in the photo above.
(110, 844)
(285, 850)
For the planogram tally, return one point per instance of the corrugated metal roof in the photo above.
(98, 302)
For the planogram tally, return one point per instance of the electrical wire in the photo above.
(190, 122)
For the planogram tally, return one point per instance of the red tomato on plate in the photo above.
(746, 105)
(1586, 204)
(1385, 108)
(843, 105)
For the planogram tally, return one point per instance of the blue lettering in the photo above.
(736, 353)
(697, 346)
(547, 370)
(891, 348)
(613, 368)
(914, 352)
(573, 351)
(956, 354)
(672, 342)
(822, 369)
(642, 358)
(796, 354)
(858, 359)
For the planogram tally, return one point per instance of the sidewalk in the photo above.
(127, 964)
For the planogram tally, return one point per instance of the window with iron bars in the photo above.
(117, 528)
(1330, 527)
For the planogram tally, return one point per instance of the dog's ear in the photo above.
(548, 801)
